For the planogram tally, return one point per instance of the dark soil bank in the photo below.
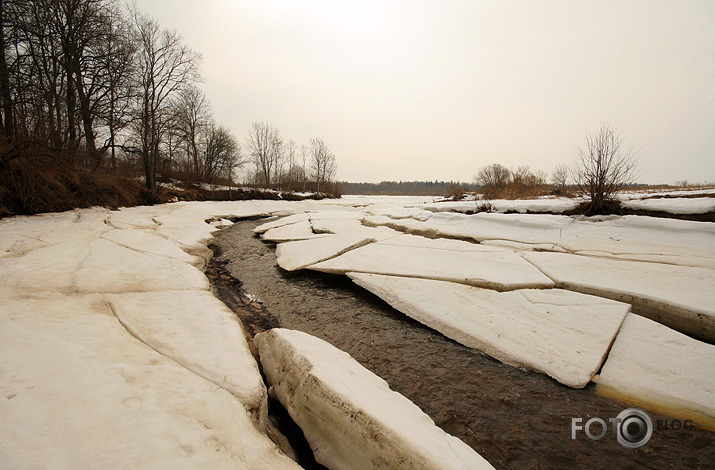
(515, 419)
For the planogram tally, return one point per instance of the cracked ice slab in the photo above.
(493, 267)
(199, 332)
(78, 391)
(563, 334)
(670, 241)
(653, 366)
(296, 255)
(112, 268)
(350, 416)
(681, 297)
(291, 219)
(147, 242)
(291, 232)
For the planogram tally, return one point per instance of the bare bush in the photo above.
(604, 167)
(560, 178)
(498, 181)
(493, 179)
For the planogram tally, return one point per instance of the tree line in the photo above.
(87, 85)
(401, 188)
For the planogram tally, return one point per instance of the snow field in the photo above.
(350, 417)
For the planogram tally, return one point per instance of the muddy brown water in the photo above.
(515, 419)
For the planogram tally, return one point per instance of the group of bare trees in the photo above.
(602, 168)
(87, 85)
(277, 163)
(497, 181)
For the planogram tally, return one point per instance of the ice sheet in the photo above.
(199, 332)
(492, 268)
(78, 391)
(291, 232)
(699, 205)
(350, 417)
(563, 334)
(681, 297)
(296, 255)
(630, 237)
(653, 366)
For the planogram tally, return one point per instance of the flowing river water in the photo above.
(515, 419)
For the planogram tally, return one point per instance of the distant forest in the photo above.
(399, 188)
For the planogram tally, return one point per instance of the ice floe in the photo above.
(655, 367)
(350, 417)
(78, 391)
(296, 255)
(561, 333)
(491, 267)
(199, 332)
(681, 297)
(630, 237)
(699, 205)
(296, 231)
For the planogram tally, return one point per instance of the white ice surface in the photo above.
(78, 391)
(655, 367)
(290, 219)
(199, 332)
(545, 204)
(350, 417)
(297, 231)
(491, 267)
(296, 255)
(630, 237)
(699, 205)
(172, 385)
(681, 297)
(560, 333)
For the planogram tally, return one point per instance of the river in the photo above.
(514, 418)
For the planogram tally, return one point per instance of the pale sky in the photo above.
(434, 90)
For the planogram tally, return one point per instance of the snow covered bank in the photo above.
(78, 391)
(563, 334)
(700, 205)
(114, 353)
(641, 238)
(350, 417)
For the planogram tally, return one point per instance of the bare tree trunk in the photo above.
(7, 105)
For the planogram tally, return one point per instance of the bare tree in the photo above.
(560, 178)
(304, 154)
(265, 149)
(118, 65)
(191, 118)
(493, 179)
(323, 166)
(165, 67)
(222, 153)
(603, 167)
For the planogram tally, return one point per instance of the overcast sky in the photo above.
(434, 90)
